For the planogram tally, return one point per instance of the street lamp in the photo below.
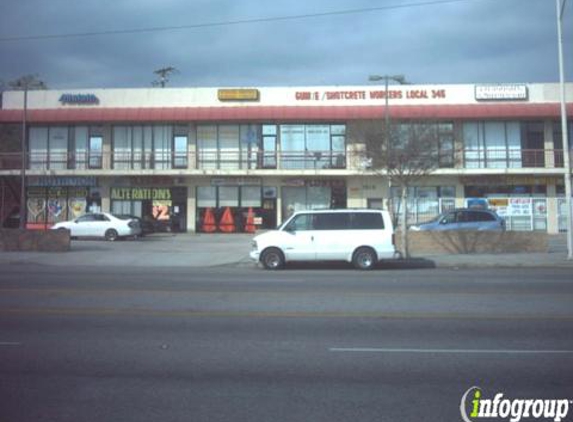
(401, 79)
(25, 83)
(566, 157)
(386, 78)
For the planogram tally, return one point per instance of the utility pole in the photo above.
(566, 152)
(25, 83)
(163, 75)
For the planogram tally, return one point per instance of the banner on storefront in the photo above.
(236, 181)
(140, 194)
(53, 181)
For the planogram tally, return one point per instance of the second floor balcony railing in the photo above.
(513, 158)
(252, 160)
(166, 160)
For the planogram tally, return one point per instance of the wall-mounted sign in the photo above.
(140, 194)
(54, 181)
(79, 99)
(501, 92)
(374, 94)
(236, 181)
(238, 95)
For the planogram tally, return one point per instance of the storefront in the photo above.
(235, 205)
(164, 208)
(523, 201)
(50, 200)
(307, 194)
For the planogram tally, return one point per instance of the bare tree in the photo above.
(403, 153)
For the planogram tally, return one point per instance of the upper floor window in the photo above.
(499, 144)
(65, 147)
(228, 146)
(150, 147)
(313, 146)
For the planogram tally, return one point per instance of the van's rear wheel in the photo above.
(364, 258)
(272, 259)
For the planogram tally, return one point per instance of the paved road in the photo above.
(309, 344)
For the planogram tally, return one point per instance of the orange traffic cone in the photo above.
(209, 221)
(250, 224)
(227, 224)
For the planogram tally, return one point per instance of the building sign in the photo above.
(79, 99)
(375, 94)
(238, 95)
(55, 181)
(236, 181)
(519, 206)
(509, 179)
(140, 194)
(501, 92)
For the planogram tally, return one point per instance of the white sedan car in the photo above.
(106, 225)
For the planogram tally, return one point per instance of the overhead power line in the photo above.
(231, 22)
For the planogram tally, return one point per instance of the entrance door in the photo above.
(179, 152)
(95, 152)
(179, 209)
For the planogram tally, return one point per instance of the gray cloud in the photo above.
(462, 42)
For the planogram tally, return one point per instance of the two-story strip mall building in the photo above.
(170, 154)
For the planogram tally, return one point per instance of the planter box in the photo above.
(466, 242)
(34, 240)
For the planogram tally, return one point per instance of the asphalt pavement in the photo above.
(238, 344)
(212, 250)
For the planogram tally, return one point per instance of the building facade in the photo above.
(182, 158)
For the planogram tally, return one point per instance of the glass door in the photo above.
(95, 151)
(179, 151)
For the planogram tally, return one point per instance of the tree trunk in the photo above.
(403, 223)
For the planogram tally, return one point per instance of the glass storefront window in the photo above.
(250, 196)
(206, 196)
(81, 147)
(228, 196)
(38, 148)
(162, 136)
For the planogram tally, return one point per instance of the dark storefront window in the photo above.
(222, 201)
(313, 194)
(161, 209)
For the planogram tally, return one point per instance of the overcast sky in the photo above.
(429, 41)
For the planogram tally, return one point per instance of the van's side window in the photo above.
(300, 222)
(367, 221)
(333, 221)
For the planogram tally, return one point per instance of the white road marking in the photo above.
(446, 351)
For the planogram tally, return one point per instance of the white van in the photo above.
(362, 237)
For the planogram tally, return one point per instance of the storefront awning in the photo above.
(290, 113)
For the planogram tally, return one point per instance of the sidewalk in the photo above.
(207, 250)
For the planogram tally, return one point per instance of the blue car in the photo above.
(464, 219)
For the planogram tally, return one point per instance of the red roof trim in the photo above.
(286, 113)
